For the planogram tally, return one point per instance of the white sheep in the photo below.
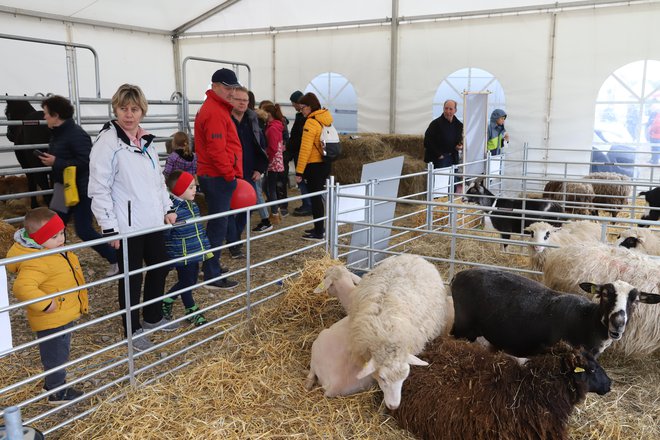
(610, 197)
(331, 363)
(645, 241)
(339, 282)
(599, 263)
(397, 308)
(542, 235)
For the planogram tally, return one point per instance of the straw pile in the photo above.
(371, 148)
(412, 145)
(249, 385)
(6, 237)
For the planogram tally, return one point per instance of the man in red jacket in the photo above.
(219, 164)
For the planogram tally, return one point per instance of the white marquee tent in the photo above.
(551, 59)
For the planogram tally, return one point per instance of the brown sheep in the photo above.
(610, 197)
(577, 197)
(469, 392)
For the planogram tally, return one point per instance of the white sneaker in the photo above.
(143, 343)
(112, 270)
(164, 325)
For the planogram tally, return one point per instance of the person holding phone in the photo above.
(70, 145)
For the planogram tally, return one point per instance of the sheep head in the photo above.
(390, 376)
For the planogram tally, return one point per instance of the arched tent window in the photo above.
(336, 93)
(470, 79)
(625, 101)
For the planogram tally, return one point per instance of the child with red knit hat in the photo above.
(42, 276)
(188, 240)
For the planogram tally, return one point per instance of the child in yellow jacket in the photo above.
(43, 276)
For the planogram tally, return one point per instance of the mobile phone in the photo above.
(38, 153)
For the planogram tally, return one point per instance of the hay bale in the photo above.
(6, 237)
(371, 148)
(410, 144)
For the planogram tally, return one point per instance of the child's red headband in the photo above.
(48, 230)
(182, 183)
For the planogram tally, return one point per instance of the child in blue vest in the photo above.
(184, 240)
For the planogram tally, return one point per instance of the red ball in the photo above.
(244, 195)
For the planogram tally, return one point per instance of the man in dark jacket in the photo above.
(292, 150)
(255, 163)
(444, 138)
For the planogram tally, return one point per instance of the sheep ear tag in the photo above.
(321, 287)
(578, 370)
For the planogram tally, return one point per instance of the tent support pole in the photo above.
(394, 55)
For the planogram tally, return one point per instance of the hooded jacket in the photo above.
(310, 145)
(43, 276)
(496, 132)
(126, 183)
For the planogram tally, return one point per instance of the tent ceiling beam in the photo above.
(292, 28)
(73, 20)
(549, 8)
(536, 9)
(195, 21)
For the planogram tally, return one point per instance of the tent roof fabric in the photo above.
(206, 16)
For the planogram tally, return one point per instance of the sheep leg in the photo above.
(311, 379)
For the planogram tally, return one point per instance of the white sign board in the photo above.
(5, 325)
(383, 212)
(349, 209)
(475, 124)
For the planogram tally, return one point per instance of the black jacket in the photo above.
(253, 142)
(295, 137)
(441, 138)
(71, 145)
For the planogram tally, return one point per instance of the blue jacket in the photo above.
(188, 238)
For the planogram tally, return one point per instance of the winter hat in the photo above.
(46, 232)
(182, 183)
(295, 96)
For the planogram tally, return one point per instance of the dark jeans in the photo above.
(187, 276)
(655, 148)
(55, 352)
(149, 249)
(315, 176)
(273, 184)
(282, 186)
(446, 161)
(217, 192)
(306, 203)
(82, 217)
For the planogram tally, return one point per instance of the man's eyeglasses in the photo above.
(241, 100)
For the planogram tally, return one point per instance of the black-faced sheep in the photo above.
(524, 317)
(542, 234)
(645, 241)
(331, 363)
(397, 308)
(577, 197)
(500, 210)
(610, 197)
(600, 263)
(653, 199)
(468, 392)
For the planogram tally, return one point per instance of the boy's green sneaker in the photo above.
(168, 305)
(195, 318)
